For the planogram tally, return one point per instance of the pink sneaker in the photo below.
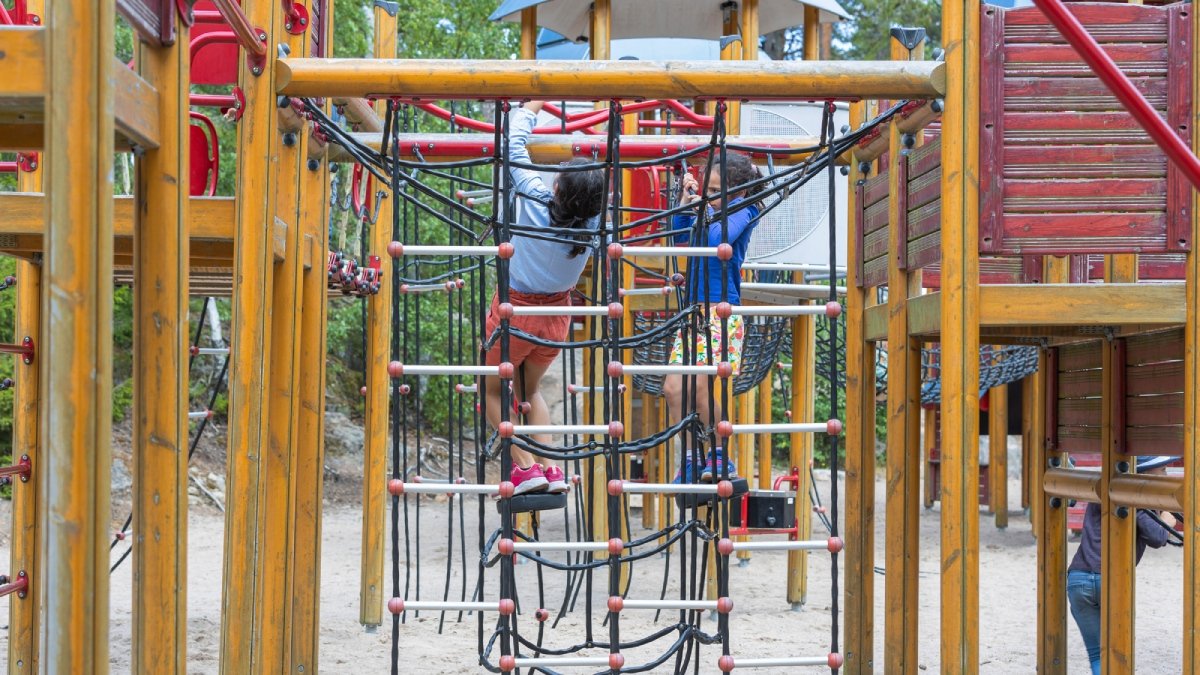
(558, 481)
(528, 480)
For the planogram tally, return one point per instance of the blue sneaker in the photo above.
(715, 466)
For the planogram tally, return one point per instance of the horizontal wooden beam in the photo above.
(586, 80)
(1082, 304)
(1022, 311)
(24, 215)
(1157, 493)
(23, 62)
(1075, 484)
(135, 107)
(555, 148)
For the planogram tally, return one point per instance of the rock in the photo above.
(122, 480)
(342, 435)
(214, 483)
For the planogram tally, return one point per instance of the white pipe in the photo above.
(782, 428)
(450, 250)
(560, 546)
(810, 545)
(562, 662)
(629, 487)
(489, 371)
(780, 310)
(668, 251)
(795, 662)
(560, 429)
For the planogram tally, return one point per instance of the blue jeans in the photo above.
(1083, 590)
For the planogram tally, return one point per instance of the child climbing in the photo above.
(541, 273)
(704, 286)
(1083, 574)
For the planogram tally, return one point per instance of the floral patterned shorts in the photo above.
(704, 340)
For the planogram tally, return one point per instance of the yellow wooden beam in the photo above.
(304, 587)
(160, 436)
(28, 505)
(960, 341)
(529, 33)
(585, 80)
(1191, 427)
(379, 327)
(998, 454)
(600, 33)
(1118, 537)
(803, 385)
(210, 218)
(23, 62)
(1050, 529)
(275, 624)
(812, 23)
(1081, 304)
(902, 534)
(860, 461)
(136, 107)
(76, 351)
(249, 375)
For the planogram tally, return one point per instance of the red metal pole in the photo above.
(20, 586)
(1102, 64)
(247, 35)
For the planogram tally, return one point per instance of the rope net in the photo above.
(467, 234)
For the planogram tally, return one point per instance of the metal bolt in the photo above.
(1055, 462)
(1122, 511)
(1122, 467)
(1055, 502)
(256, 70)
(303, 22)
(262, 36)
(286, 26)
(313, 165)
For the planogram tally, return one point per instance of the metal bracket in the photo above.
(27, 161)
(296, 19)
(257, 63)
(909, 37)
(392, 8)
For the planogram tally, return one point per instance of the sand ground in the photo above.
(762, 623)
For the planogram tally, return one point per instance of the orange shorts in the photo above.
(553, 328)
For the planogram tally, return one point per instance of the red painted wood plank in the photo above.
(926, 158)
(1080, 384)
(1068, 154)
(925, 251)
(1179, 113)
(1160, 347)
(875, 272)
(992, 270)
(1089, 194)
(1078, 439)
(1072, 128)
(1162, 267)
(1077, 233)
(875, 218)
(1079, 412)
(1164, 440)
(1147, 411)
(1155, 378)
(925, 220)
(901, 225)
(924, 190)
(1131, 57)
(991, 134)
(1078, 94)
(1082, 356)
(1091, 14)
(876, 189)
(859, 231)
(875, 245)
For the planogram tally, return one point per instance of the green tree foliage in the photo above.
(866, 37)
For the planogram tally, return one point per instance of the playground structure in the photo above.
(938, 210)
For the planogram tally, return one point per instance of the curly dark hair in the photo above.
(578, 197)
(739, 171)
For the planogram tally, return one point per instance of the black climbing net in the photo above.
(425, 213)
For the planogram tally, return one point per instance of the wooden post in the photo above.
(601, 30)
(812, 26)
(763, 441)
(27, 497)
(998, 454)
(803, 384)
(375, 425)
(1050, 527)
(160, 387)
(651, 459)
(928, 443)
(259, 145)
(960, 340)
(860, 460)
(902, 536)
(747, 407)
(304, 582)
(1191, 410)
(1026, 446)
(1118, 527)
(529, 33)
(75, 355)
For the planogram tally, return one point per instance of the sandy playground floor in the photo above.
(762, 623)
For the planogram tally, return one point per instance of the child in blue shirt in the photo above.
(704, 286)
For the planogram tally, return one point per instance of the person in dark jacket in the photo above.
(1083, 574)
